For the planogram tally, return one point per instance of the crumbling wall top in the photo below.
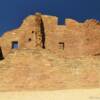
(92, 22)
(72, 23)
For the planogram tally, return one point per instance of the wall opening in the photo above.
(14, 44)
(29, 39)
(61, 45)
(1, 54)
(32, 31)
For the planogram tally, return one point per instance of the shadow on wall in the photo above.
(43, 34)
(1, 54)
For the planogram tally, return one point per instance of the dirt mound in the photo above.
(39, 69)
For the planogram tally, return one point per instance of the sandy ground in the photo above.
(91, 94)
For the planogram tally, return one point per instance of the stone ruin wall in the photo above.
(25, 32)
(73, 39)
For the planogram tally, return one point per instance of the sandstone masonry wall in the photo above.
(73, 39)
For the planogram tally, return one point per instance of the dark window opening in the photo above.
(61, 45)
(14, 44)
(32, 31)
(1, 54)
(29, 39)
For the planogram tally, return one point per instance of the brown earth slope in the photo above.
(38, 69)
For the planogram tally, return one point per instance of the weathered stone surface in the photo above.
(38, 69)
(51, 56)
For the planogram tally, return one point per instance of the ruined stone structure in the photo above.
(73, 39)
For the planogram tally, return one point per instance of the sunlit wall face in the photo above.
(12, 12)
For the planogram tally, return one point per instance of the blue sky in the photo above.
(12, 12)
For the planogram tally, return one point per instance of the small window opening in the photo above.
(29, 39)
(32, 31)
(14, 44)
(61, 45)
